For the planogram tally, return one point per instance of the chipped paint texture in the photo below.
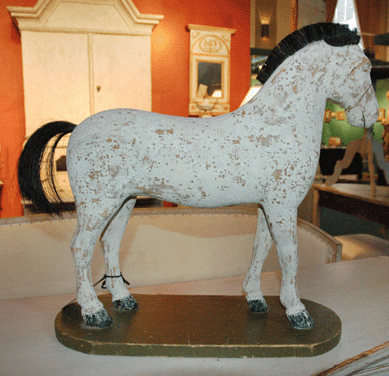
(265, 152)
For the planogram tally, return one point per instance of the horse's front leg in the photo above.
(110, 242)
(252, 283)
(283, 226)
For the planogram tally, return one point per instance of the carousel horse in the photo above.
(265, 152)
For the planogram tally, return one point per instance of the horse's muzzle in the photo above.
(365, 112)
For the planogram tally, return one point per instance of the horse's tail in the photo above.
(36, 157)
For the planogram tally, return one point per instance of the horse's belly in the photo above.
(195, 192)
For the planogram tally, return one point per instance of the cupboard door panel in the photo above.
(56, 78)
(121, 72)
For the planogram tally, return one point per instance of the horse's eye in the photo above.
(366, 68)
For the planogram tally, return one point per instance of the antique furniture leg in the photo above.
(352, 148)
(316, 213)
(371, 162)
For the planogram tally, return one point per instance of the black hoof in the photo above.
(100, 319)
(258, 306)
(301, 320)
(126, 304)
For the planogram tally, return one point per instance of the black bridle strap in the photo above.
(103, 285)
(350, 108)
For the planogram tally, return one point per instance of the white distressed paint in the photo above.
(265, 152)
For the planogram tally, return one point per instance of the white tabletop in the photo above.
(358, 291)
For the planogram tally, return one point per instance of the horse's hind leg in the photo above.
(110, 242)
(252, 283)
(283, 226)
(82, 246)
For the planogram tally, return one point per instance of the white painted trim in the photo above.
(37, 18)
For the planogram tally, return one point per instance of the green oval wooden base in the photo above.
(199, 326)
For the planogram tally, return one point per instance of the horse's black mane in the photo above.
(333, 34)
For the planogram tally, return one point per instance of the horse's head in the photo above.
(352, 87)
(345, 68)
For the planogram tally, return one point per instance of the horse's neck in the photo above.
(302, 75)
(296, 92)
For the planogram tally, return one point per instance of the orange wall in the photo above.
(170, 70)
(170, 48)
(12, 128)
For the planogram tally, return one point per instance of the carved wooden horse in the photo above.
(265, 152)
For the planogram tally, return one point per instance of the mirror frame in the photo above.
(213, 45)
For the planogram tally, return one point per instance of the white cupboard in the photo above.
(83, 56)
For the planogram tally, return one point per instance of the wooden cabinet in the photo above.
(56, 78)
(83, 56)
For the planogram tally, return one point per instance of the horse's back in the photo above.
(186, 160)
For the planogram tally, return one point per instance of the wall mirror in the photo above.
(209, 80)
